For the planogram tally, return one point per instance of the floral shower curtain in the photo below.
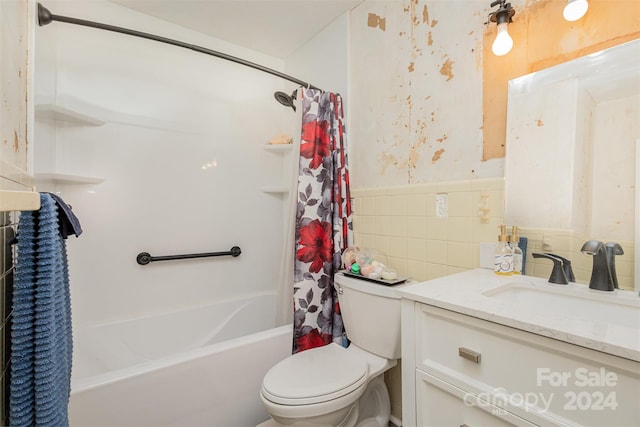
(323, 220)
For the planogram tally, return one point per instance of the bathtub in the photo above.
(196, 367)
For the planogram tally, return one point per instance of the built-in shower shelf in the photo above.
(281, 148)
(275, 190)
(61, 178)
(59, 113)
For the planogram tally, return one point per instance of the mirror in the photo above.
(570, 163)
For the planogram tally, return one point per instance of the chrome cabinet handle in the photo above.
(464, 425)
(471, 355)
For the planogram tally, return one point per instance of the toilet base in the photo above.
(374, 404)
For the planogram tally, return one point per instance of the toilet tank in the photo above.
(371, 315)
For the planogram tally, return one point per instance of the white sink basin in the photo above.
(573, 300)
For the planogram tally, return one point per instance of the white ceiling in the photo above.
(276, 28)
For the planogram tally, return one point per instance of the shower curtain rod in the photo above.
(45, 17)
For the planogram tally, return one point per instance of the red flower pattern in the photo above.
(316, 245)
(316, 142)
(324, 214)
(312, 339)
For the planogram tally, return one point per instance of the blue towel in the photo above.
(69, 223)
(41, 340)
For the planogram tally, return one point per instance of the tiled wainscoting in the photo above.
(401, 222)
(402, 225)
(7, 233)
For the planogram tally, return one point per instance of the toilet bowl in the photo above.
(336, 386)
(323, 387)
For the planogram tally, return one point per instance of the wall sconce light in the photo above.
(503, 42)
(575, 9)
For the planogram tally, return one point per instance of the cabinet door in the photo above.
(546, 381)
(441, 404)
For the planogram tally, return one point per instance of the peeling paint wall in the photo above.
(15, 29)
(428, 98)
(416, 92)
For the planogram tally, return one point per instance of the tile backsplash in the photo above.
(406, 225)
(420, 237)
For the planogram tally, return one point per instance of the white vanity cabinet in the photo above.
(460, 370)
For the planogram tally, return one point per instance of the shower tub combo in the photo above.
(194, 367)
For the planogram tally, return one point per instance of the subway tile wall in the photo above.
(7, 233)
(402, 223)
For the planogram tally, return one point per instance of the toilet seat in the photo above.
(315, 376)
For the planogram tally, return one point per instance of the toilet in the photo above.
(336, 386)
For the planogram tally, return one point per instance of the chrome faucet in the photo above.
(601, 276)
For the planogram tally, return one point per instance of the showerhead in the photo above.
(286, 100)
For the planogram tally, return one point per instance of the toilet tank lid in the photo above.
(369, 287)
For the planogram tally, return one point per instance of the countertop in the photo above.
(471, 292)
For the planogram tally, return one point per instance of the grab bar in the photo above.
(145, 258)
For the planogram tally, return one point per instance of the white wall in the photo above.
(168, 112)
(323, 60)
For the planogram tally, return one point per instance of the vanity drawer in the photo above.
(508, 367)
(439, 403)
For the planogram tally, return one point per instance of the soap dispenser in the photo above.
(517, 252)
(503, 256)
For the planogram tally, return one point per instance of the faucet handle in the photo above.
(566, 266)
(612, 249)
(557, 274)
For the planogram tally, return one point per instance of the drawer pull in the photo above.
(464, 425)
(474, 356)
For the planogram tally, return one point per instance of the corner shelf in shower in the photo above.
(61, 178)
(59, 113)
(275, 190)
(280, 148)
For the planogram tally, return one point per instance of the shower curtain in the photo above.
(323, 220)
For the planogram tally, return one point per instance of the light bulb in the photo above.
(503, 42)
(575, 9)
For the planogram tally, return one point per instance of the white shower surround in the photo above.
(182, 161)
(182, 158)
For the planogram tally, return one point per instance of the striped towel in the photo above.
(41, 340)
